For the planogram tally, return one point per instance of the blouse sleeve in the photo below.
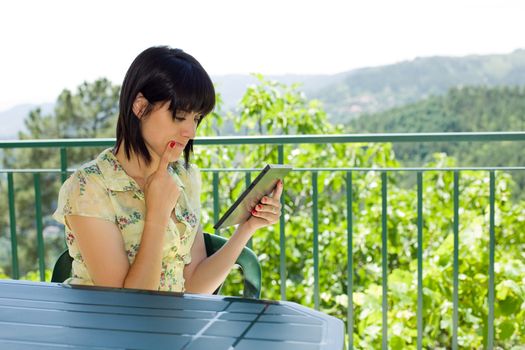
(84, 195)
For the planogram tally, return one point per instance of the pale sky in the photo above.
(47, 46)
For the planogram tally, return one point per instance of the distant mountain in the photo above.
(367, 90)
(350, 94)
(370, 90)
(12, 120)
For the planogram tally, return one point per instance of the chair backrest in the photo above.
(247, 261)
(62, 268)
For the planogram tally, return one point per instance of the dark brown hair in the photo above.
(162, 74)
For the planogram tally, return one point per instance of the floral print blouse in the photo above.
(102, 189)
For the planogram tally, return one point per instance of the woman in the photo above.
(132, 215)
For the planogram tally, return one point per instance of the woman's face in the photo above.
(159, 128)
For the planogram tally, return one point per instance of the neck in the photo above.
(135, 166)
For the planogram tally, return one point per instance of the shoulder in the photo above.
(87, 176)
(84, 194)
(89, 172)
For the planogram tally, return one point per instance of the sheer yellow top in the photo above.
(102, 189)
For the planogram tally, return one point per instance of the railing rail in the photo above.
(291, 139)
(348, 172)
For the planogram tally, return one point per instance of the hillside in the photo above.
(367, 90)
(467, 109)
(370, 90)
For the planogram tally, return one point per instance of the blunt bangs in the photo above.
(193, 92)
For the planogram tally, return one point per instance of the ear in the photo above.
(139, 105)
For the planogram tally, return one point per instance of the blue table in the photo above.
(55, 316)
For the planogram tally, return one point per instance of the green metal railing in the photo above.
(279, 142)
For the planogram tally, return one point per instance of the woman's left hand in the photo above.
(267, 212)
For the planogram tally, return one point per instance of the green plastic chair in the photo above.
(247, 261)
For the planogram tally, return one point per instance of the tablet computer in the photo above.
(262, 186)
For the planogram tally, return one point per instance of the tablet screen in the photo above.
(263, 185)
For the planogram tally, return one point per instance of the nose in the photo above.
(188, 128)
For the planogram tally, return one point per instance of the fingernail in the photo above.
(263, 199)
(254, 212)
(259, 207)
(172, 144)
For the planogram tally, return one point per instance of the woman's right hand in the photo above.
(161, 191)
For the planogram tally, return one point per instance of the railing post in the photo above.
(216, 198)
(282, 235)
(63, 164)
(456, 263)
(419, 260)
(315, 216)
(492, 243)
(384, 258)
(350, 257)
(12, 223)
(39, 227)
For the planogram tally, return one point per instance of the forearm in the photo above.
(145, 271)
(213, 270)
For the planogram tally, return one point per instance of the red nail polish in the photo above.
(172, 144)
(254, 212)
(259, 207)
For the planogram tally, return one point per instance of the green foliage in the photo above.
(35, 276)
(273, 108)
(277, 109)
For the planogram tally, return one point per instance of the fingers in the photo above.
(275, 198)
(166, 156)
(271, 215)
(271, 209)
(268, 211)
(278, 190)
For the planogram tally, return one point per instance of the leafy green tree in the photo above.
(89, 112)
